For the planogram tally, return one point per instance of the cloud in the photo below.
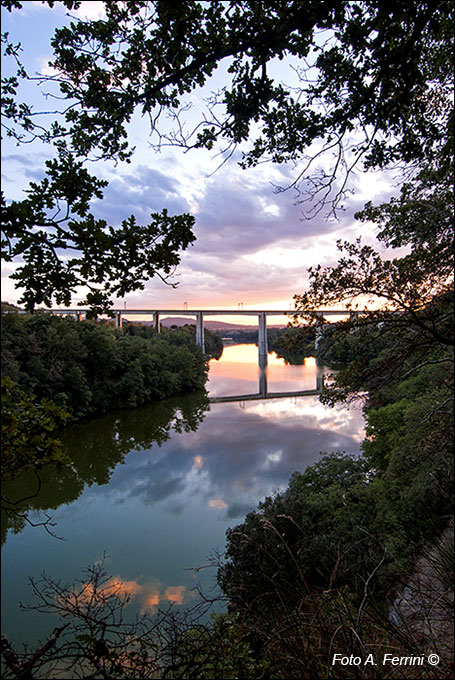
(238, 216)
(253, 244)
(251, 241)
(91, 9)
(140, 193)
(88, 9)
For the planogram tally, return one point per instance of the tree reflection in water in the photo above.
(95, 448)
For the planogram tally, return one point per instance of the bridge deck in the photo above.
(269, 395)
(210, 312)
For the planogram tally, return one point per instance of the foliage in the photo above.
(108, 260)
(28, 430)
(240, 336)
(90, 368)
(92, 450)
(181, 336)
(340, 344)
(369, 85)
(313, 535)
(293, 344)
(30, 442)
(330, 553)
(317, 565)
(409, 443)
(384, 73)
(358, 528)
(95, 638)
(405, 301)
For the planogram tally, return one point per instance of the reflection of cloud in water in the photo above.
(158, 490)
(149, 594)
(159, 500)
(237, 456)
(123, 587)
(217, 503)
(236, 510)
(175, 594)
(198, 461)
(310, 411)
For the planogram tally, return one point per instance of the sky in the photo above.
(253, 245)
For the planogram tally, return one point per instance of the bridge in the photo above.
(199, 314)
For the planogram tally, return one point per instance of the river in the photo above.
(155, 488)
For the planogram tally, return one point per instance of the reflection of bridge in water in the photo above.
(265, 394)
(199, 315)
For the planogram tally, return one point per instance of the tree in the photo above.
(55, 219)
(372, 85)
(409, 296)
(96, 639)
(28, 431)
(374, 69)
(88, 368)
(36, 475)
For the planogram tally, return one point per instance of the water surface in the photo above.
(156, 487)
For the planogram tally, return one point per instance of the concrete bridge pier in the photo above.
(200, 331)
(262, 339)
(118, 320)
(263, 388)
(156, 321)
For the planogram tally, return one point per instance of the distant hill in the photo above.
(213, 325)
(9, 307)
(210, 325)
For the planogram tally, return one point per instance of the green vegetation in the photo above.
(316, 569)
(56, 370)
(293, 344)
(90, 368)
(28, 426)
(243, 336)
(94, 449)
(336, 520)
(98, 635)
(181, 336)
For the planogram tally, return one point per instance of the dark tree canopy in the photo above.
(55, 217)
(383, 71)
(369, 86)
